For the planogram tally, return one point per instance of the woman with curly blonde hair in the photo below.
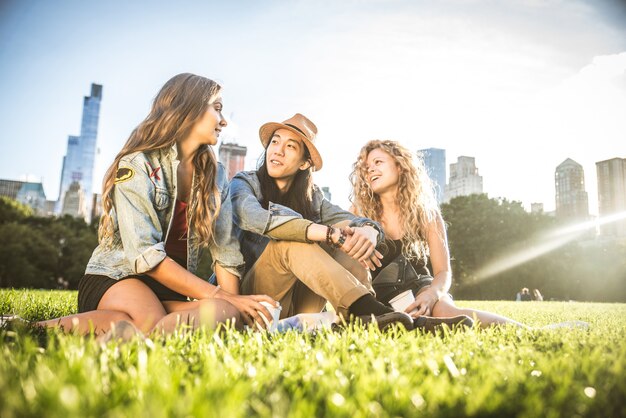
(391, 187)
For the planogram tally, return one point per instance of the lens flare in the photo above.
(544, 244)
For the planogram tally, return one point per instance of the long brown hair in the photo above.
(416, 197)
(175, 110)
(299, 197)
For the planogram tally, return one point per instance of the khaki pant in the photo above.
(302, 277)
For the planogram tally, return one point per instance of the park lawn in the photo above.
(358, 373)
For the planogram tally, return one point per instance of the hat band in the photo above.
(297, 129)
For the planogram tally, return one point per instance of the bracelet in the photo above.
(306, 234)
(341, 240)
(329, 232)
(217, 289)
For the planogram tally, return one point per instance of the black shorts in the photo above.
(92, 287)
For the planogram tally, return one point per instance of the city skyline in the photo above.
(79, 160)
(517, 86)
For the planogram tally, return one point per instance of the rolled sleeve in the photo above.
(139, 226)
(150, 258)
(294, 230)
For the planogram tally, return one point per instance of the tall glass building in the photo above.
(435, 162)
(464, 179)
(571, 198)
(612, 194)
(78, 163)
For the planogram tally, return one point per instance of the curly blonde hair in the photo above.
(176, 108)
(416, 196)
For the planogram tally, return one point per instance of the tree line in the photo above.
(496, 249)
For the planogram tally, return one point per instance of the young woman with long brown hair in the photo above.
(164, 199)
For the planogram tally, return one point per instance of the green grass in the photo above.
(359, 373)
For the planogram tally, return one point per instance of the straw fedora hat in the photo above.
(302, 127)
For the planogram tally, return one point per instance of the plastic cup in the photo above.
(275, 312)
(402, 301)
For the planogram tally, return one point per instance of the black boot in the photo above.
(432, 324)
(385, 321)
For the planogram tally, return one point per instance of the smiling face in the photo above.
(383, 174)
(284, 156)
(208, 127)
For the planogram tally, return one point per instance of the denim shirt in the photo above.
(253, 222)
(143, 209)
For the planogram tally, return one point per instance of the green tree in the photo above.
(27, 257)
(532, 250)
(74, 241)
(481, 230)
(42, 252)
(11, 210)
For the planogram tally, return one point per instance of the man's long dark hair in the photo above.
(299, 197)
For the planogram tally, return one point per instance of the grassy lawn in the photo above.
(358, 373)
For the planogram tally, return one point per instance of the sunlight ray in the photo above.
(544, 244)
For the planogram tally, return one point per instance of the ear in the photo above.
(305, 165)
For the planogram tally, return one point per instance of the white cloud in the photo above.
(500, 81)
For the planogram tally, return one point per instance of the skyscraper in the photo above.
(28, 193)
(536, 208)
(435, 162)
(464, 179)
(571, 198)
(73, 200)
(79, 161)
(327, 194)
(612, 194)
(233, 157)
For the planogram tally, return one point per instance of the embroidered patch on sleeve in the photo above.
(123, 174)
(154, 172)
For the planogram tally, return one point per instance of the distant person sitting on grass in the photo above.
(165, 198)
(390, 187)
(525, 295)
(537, 296)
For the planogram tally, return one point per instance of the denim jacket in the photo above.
(253, 222)
(143, 209)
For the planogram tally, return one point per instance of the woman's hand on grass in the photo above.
(423, 304)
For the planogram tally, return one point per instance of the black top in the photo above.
(392, 249)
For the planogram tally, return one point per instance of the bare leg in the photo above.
(99, 321)
(446, 308)
(207, 312)
(137, 300)
(127, 300)
(133, 301)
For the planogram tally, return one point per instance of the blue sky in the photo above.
(519, 85)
